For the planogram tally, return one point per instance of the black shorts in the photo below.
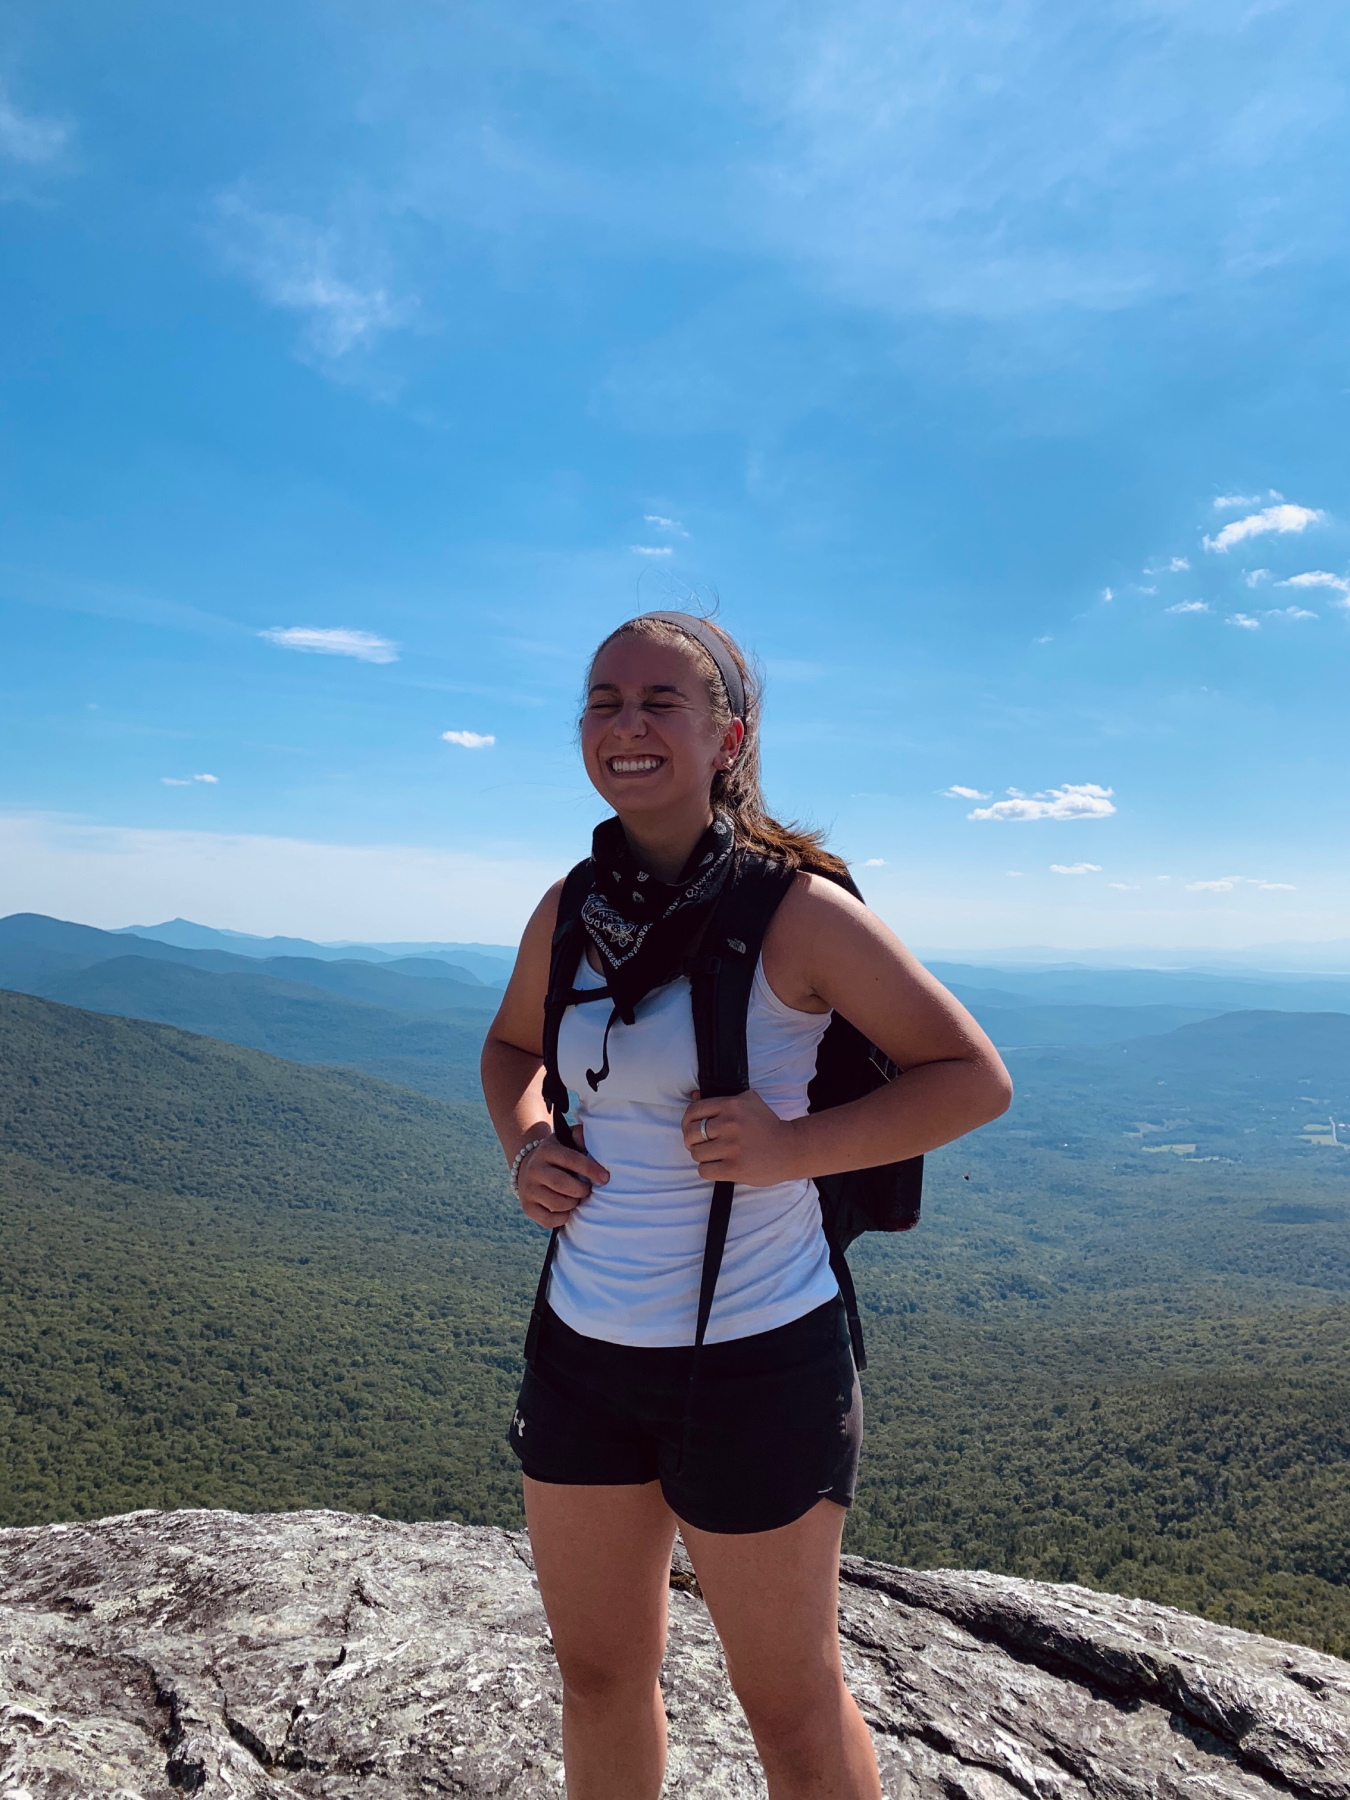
(773, 1425)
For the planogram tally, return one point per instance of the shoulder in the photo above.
(816, 923)
(519, 1019)
(814, 902)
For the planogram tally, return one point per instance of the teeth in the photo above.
(634, 765)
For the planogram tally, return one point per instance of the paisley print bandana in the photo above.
(642, 926)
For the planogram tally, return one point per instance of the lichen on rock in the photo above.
(323, 1656)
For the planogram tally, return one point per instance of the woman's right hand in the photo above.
(553, 1181)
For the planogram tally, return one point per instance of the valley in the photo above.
(233, 1279)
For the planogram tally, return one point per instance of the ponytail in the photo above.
(737, 790)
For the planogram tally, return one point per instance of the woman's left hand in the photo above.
(745, 1140)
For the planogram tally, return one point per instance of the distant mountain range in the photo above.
(419, 1019)
(414, 1020)
(491, 963)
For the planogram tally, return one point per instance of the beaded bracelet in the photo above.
(521, 1154)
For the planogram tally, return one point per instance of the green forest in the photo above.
(231, 1280)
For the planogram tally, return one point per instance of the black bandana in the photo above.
(642, 926)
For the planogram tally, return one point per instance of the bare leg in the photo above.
(774, 1598)
(602, 1555)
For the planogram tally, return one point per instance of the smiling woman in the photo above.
(756, 1459)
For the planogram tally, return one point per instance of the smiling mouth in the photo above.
(634, 765)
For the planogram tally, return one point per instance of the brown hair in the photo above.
(737, 790)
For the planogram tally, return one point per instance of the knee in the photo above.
(797, 1725)
(596, 1682)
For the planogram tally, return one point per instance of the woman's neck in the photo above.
(663, 847)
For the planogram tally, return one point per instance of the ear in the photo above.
(732, 739)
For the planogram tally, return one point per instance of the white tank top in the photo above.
(630, 1257)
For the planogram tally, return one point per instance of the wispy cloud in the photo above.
(1254, 577)
(1243, 621)
(469, 740)
(308, 269)
(1318, 578)
(365, 646)
(1083, 800)
(1190, 606)
(1108, 594)
(187, 780)
(1229, 502)
(1225, 884)
(673, 526)
(964, 793)
(1177, 564)
(1124, 887)
(875, 862)
(1289, 612)
(1079, 868)
(1271, 518)
(26, 138)
(650, 549)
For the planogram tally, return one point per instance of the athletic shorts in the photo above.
(772, 1425)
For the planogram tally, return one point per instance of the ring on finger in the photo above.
(703, 1131)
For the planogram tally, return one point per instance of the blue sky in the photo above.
(364, 365)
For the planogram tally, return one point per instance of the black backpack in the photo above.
(721, 969)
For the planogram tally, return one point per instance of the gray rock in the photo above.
(317, 1655)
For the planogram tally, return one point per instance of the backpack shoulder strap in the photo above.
(721, 974)
(562, 967)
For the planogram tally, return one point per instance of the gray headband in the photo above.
(702, 633)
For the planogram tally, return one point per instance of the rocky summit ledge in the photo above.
(315, 1654)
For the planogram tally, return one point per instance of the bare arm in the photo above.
(824, 950)
(552, 1180)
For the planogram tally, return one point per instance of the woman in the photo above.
(611, 1461)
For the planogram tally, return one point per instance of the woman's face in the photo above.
(648, 736)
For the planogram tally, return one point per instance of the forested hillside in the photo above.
(232, 1280)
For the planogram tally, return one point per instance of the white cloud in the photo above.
(1289, 612)
(875, 862)
(1226, 883)
(24, 138)
(1271, 518)
(186, 781)
(1254, 577)
(212, 779)
(1084, 800)
(1016, 874)
(469, 740)
(651, 549)
(1047, 639)
(1243, 621)
(963, 793)
(1108, 594)
(1190, 606)
(1177, 564)
(1124, 887)
(293, 263)
(1318, 578)
(1226, 502)
(1080, 868)
(673, 526)
(365, 646)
